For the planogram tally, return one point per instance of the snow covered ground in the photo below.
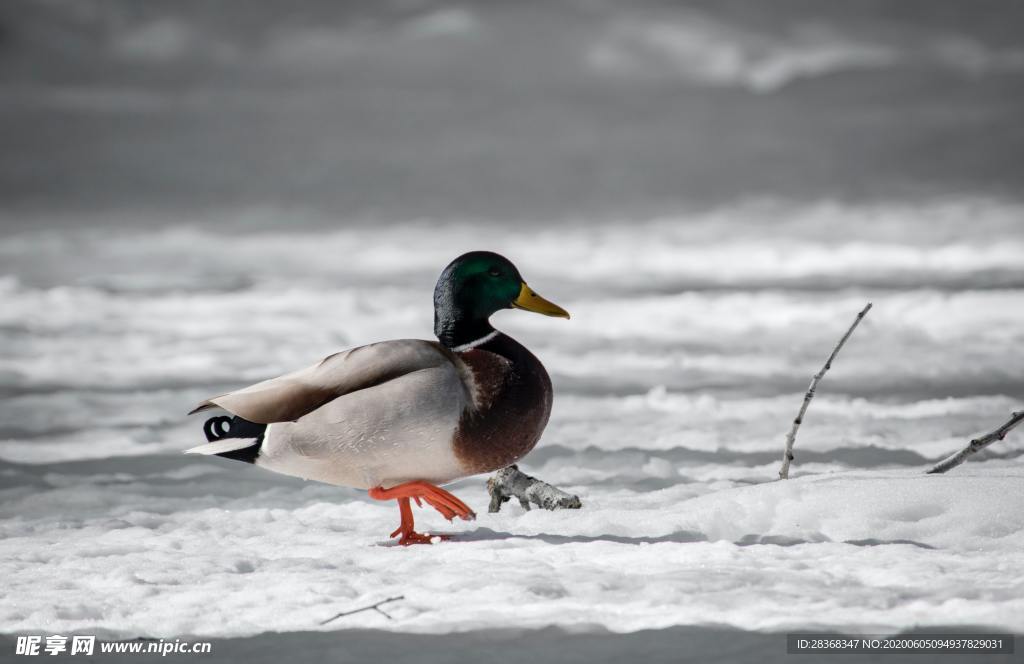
(691, 343)
(178, 548)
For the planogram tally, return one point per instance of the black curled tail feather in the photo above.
(217, 428)
(223, 426)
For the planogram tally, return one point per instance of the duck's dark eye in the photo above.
(494, 272)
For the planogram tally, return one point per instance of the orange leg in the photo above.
(448, 505)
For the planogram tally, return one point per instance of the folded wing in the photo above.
(289, 397)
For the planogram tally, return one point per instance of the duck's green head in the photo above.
(474, 286)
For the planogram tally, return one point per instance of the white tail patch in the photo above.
(221, 446)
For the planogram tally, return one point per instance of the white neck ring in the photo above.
(473, 344)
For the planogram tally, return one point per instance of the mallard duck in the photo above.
(398, 418)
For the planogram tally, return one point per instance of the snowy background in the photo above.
(192, 203)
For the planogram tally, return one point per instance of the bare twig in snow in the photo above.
(510, 483)
(954, 460)
(791, 437)
(372, 607)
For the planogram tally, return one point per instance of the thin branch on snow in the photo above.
(510, 483)
(791, 437)
(954, 460)
(372, 607)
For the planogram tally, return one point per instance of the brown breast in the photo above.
(511, 395)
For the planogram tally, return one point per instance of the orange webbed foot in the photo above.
(444, 502)
(448, 505)
(413, 537)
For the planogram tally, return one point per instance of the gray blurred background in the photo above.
(524, 110)
(196, 195)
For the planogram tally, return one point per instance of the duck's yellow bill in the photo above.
(530, 301)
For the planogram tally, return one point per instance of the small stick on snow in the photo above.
(372, 607)
(791, 437)
(510, 483)
(954, 460)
